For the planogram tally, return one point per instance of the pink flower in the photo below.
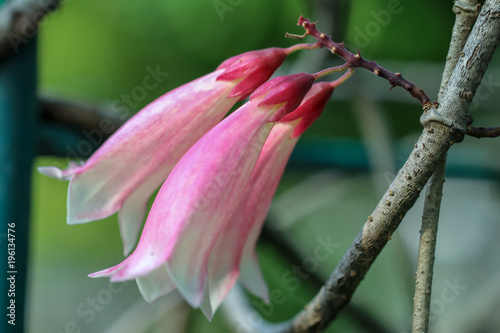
(123, 173)
(196, 202)
(234, 253)
(203, 226)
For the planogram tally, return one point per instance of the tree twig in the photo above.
(79, 115)
(481, 132)
(466, 13)
(356, 60)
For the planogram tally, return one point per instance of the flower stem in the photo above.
(343, 78)
(302, 46)
(331, 70)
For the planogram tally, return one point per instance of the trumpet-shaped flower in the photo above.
(204, 224)
(123, 173)
(234, 253)
(196, 202)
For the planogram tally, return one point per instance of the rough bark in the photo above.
(466, 13)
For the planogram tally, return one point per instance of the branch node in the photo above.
(459, 7)
(432, 115)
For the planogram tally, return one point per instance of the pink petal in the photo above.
(251, 277)
(108, 272)
(234, 252)
(311, 107)
(131, 215)
(235, 246)
(144, 150)
(254, 67)
(285, 91)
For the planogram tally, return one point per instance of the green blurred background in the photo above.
(96, 51)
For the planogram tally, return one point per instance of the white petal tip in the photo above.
(206, 306)
(208, 314)
(191, 295)
(57, 173)
(52, 171)
(148, 298)
(155, 285)
(73, 219)
(85, 216)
